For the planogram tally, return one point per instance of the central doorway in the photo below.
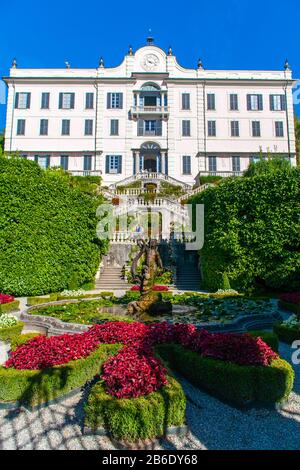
(150, 158)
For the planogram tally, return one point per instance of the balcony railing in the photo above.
(221, 173)
(86, 173)
(136, 110)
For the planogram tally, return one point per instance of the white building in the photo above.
(149, 113)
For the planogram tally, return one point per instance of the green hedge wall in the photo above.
(10, 307)
(252, 229)
(38, 386)
(295, 308)
(17, 341)
(9, 333)
(239, 385)
(268, 337)
(287, 335)
(47, 230)
(132, 419)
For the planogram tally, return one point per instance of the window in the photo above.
(255, 102)
(89, 101)
(277, 103)
(186, 165)
(65, 127)
(114, 100)
(211, 102)
(64, 162)
(211, 128)
(42, 160)
(212, 164)
(256, 129)
(114, 127)
(113, 164)
(186, 128)
(45, 100)
(88, 127)
(21, 127)
(66, 100)
(234, 102)
(186, 101)
(279, 132)
(44, 127)
(149, 127)
(236, 164)
(235, 129)
(87, 163)
(22, 100)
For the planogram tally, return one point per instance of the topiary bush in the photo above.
(232, 382)
(132, 419)
(47, 230)
(8, 333)
(10, 307)
(17, 341)
(252, 229)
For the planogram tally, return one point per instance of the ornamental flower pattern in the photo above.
(135, 371)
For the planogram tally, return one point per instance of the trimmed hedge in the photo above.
(11, 332)
(38, 386)
(10, 307)
(132, 419)
(286, 334)
(239, 385)
(21, 339)
(271, 339)
(295, 308)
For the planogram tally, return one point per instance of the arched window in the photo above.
(150, 87)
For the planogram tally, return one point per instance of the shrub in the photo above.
(291, 307)
(10, 332)
(39, 300)
(286, 333)
(252, 231)
(5, 299)
(48, 230)
(7, 321)
(231, 382)
(10, 307)
(271, 339)
(132, 419)
(22, 339)
(38, 386)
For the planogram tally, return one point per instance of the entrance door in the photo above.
(150, 163)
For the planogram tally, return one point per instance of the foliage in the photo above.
(297, 135)
(287, 333)
(38, 386)
(169, 190)
(5, 299)
(22, 339)
(237, 384)
(47, 230)
(7, 321)
(268, 166)
(85, 312)
(2, 132)
(290, 307)
(252, 231)
(10, 307)
(10, 332)
(210, 179)
(132, 419)
(271, 339)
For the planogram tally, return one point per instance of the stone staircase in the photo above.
(188, 273)
(111, 279)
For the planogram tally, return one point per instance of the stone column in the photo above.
(134, 163)
(163, 163)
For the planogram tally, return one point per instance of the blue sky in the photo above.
(229, 34)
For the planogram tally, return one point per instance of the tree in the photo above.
(297, 134)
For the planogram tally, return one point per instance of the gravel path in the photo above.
(212, 425)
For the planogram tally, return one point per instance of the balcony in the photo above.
(137, 111)
(85, 173)
(224, 174)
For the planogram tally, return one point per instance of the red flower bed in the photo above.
(160, 288)
(293, 297)
(135, 371)
(6, 299)
(132, 373)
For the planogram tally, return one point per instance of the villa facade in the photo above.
(149, 114)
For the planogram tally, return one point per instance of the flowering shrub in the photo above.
(292, 322)
(72, 293)
(131, 374)
(135, 288)
(6, 299)
(160, 288)
(135, 370)
(293, 297)
(6, 321)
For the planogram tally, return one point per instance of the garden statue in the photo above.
(150, 301)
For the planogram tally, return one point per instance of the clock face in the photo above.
(150, 62)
